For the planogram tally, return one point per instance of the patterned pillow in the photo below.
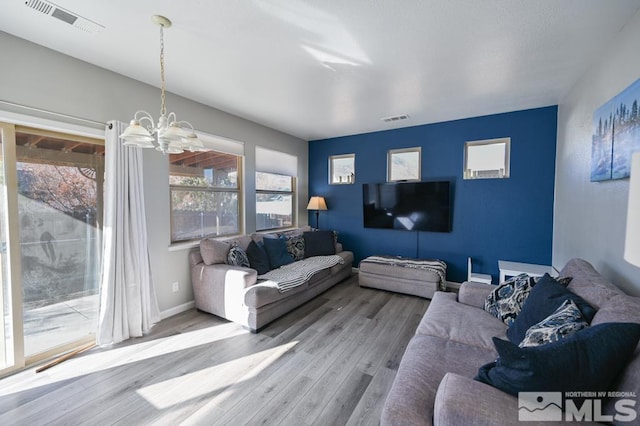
(295, 246)
(505, 301)
(238, 257)
(566, 320)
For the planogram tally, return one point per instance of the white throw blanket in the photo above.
(297, 273)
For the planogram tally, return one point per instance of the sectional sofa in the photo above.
(237, 294)
(435, 380)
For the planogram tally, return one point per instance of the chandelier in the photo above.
(169, 135)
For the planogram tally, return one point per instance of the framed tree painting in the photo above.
(616, 135)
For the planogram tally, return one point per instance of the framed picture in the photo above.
(616, 135)
(342, 169)
(403, 164)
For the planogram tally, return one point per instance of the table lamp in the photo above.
(317, 203)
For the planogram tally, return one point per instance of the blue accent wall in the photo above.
(509, 219)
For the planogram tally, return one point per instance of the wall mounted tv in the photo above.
(409, 206)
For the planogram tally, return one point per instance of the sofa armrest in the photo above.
(464, 401)
(214, 285)
(474, 294)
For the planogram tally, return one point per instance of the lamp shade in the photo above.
(317, 203)
(632, 239)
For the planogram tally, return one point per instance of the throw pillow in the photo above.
(277, 252)
(587, 361)
(213, 251)
(319, 243)
(506, 300)
(258, 258)
(238, 257)
(295, 246)
(565, 281)
(545, 298)
(566, 320)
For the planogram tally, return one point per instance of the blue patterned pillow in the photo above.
(506, 300)
(566, 320)
(295, 246)
(238, 257)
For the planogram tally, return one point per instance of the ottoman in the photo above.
(418, 277)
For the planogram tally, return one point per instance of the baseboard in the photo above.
(354, 270)
(177, 309)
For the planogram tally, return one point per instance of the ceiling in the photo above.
(320, 69)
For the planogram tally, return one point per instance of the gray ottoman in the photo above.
(418, 277)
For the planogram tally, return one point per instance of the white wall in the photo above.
(38, 77)
(590, 217)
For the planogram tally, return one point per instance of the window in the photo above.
(487, 159)
(274, 201)
(403, 164)
(342, 169)
(205, 194)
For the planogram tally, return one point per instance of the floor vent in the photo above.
(395, 118)
(66, 16)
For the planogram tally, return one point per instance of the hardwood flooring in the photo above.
(329, 362)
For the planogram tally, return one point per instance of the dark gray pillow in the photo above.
(544, 298)
(258, 257)
(588, 360)
(319, 243)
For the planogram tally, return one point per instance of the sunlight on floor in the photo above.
(211, 381)
(107, 359)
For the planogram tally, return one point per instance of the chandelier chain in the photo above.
(163, 108)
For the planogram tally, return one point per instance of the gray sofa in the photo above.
(434, 383)
(235, 293)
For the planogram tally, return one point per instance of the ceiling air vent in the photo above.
(64, 15)
(395, 118)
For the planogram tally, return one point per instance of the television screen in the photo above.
(410, 206)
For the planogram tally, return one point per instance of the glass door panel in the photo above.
(60, 206)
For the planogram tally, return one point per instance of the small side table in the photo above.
(512, 269)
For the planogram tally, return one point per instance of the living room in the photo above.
(547, 212)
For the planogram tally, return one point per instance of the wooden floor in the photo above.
(329, 362)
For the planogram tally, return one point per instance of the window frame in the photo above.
(468, 175)
(292, 193)
(392, 152)
(211, 190)
(351, 179)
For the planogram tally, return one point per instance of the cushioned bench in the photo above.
(418, 277)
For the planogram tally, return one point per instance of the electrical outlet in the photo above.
(175, 286)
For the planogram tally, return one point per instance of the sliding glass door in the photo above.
(52, 219)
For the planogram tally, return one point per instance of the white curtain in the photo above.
(128, 304)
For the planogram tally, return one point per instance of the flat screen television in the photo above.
(409, 206)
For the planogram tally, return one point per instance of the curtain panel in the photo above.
(128, 303)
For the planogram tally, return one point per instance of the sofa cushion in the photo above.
(277, 251)
(449, 319)
(588, 360)
(588, 283)
(565, 321)
(238, 257)
(506, 301)
(258, 258)
(425, 362)
(319, 243)
(214, 251)
(545, 297)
